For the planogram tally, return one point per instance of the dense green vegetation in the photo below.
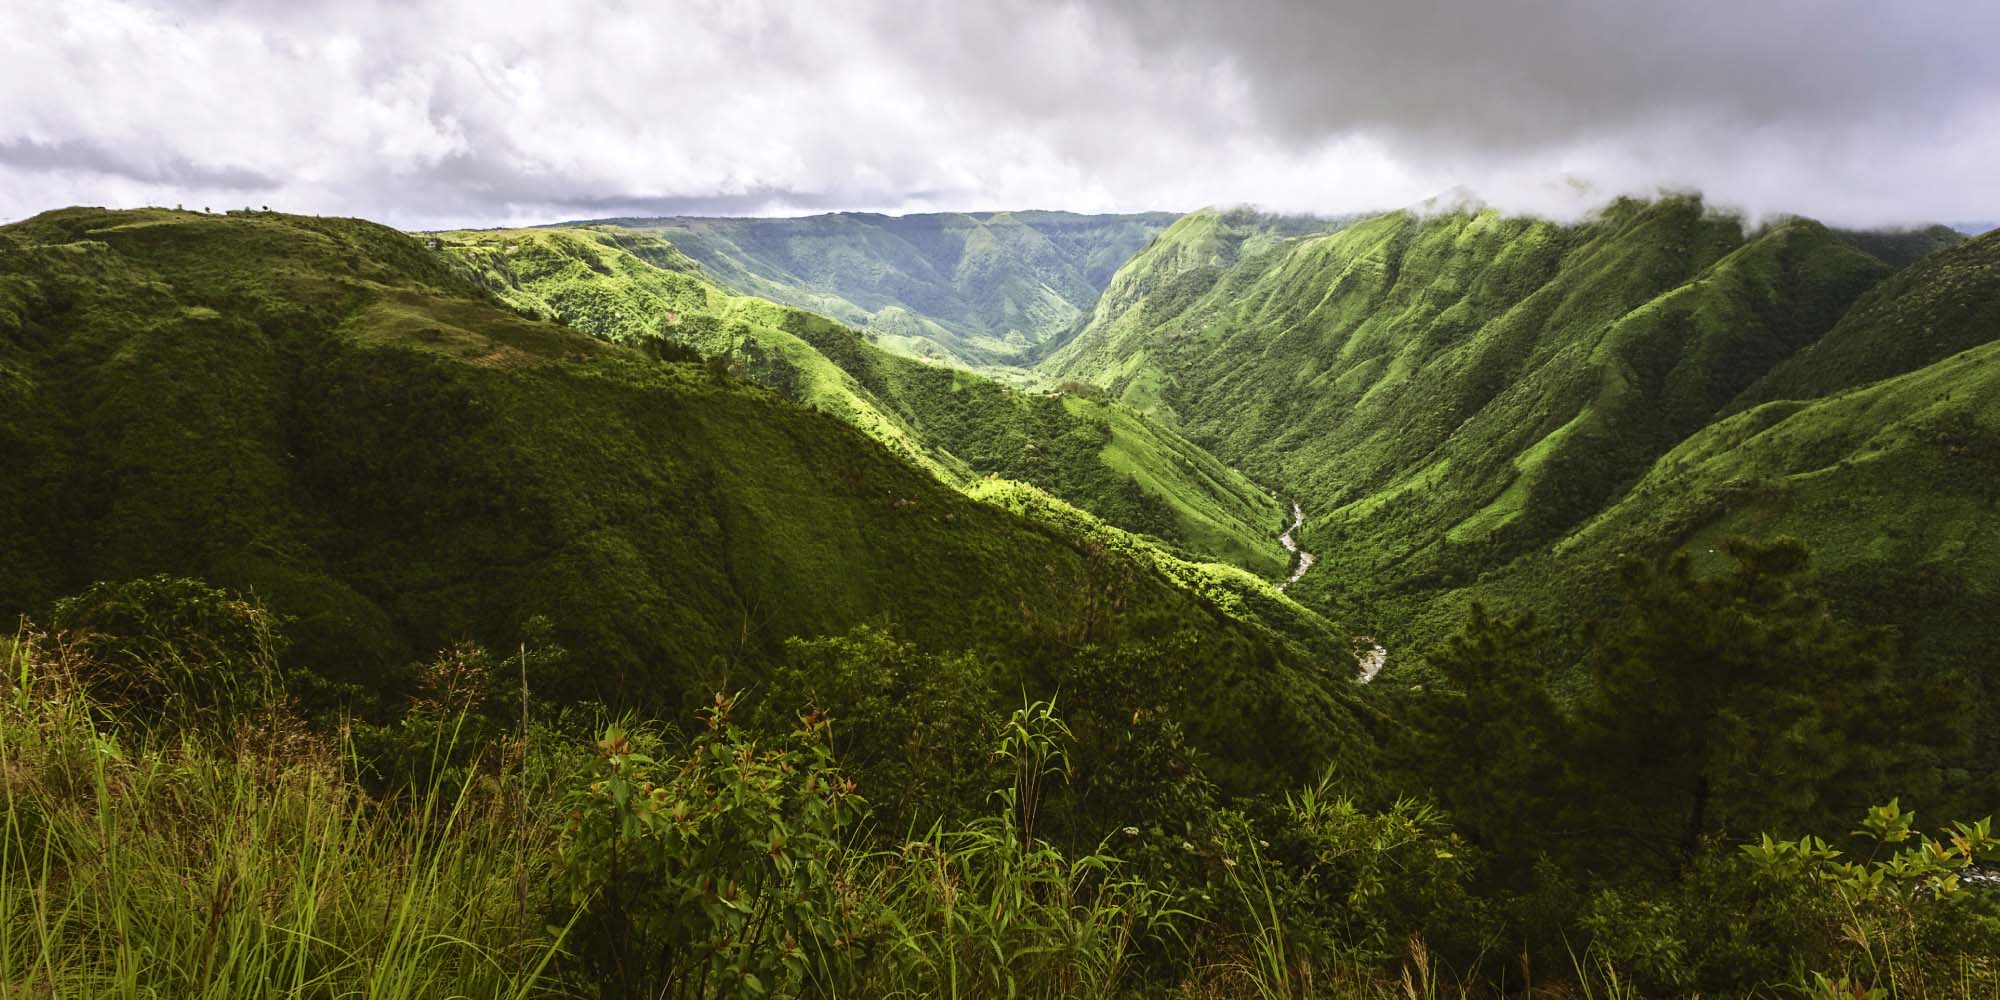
(519, 613)
(1471, 404)
(1944, 303)
(1464, 380)
(971, 290)
(328, 414)
(876, 818)
(636, 289)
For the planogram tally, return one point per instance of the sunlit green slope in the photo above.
(1101, 456)
(1448, 391)
(1896, 483)
(1900, 477)
(1475, 407)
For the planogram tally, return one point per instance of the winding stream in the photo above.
(1375, 656)
(1305, 558)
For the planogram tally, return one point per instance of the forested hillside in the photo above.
(1449, 393)
(1474, 407)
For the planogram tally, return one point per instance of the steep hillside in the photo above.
(1893, 485)
(1185, 263)
(1896, 487)
(1897, 482)
(1447, 392)
(329, 414)
(969, 289)
(1476, 408)
(1101, 456)
(1946, 302)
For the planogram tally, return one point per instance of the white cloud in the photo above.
(456, 112)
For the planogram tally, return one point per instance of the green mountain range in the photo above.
(337, 418)
(884, 606)
(1450, 392)
(1460, 400)
(1475, 408)
(972, 290)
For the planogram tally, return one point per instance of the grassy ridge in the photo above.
(1243, 595)
(1897, 484)
(635, 288)
(638, 290)
(1944, 303)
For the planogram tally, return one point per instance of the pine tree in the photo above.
(1490, 741)
(1726, 705)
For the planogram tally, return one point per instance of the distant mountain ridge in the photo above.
(972, 289)
(1450, 390)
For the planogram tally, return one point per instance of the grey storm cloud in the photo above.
(480, 112)
(147, 166)
(1517, 74)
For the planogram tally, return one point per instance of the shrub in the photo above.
(711, 874)
(1896, 919)
(173, 652)
(737, 869)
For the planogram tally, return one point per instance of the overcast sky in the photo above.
(487, 112)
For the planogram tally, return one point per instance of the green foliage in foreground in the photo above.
(248, 862)
(736, 862)
(735, 870)
(1715, 707)
(1071, 847)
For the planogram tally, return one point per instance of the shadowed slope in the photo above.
(1944, 303)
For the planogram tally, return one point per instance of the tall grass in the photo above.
(992, 910)
(191, 862)
(252, 866)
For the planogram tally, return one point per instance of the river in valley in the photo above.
(1375, 656)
